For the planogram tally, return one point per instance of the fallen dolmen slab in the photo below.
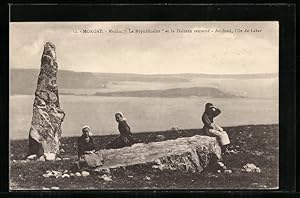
(184, 154)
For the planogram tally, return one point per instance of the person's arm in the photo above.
(92, 145)
(218, 127)
(79, 147)
(215, 111)
(206, 121)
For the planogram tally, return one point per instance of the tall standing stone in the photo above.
(45, 131)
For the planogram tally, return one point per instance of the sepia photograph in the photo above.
(136, 105)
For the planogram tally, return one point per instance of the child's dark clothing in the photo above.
(84, 146)
(211, 129)
(125, 138)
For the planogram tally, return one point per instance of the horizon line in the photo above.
(188, 73)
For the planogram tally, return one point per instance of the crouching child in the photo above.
(86, 150)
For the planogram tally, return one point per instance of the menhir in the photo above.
(45, 131)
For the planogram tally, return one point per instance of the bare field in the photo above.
(256, 144)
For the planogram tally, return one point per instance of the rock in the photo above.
(211, 175)
(160, 138)
(231, 150)
(65, 175)
(257, 170)
(77, 174)
(54, 188)
(72, 174)
(251, 168)
(42, 158)
(65, 171)
(106, 170)
(147, 178)
(61, 150)
(14, 161)
(106, 177)
(49, 156)
(85, 173)
(52, 175)
(155, 166)
(184, 154)
(65, 158)
(228, 171)
(45, 131)
(130, 176)
(31, 157)
(56, 174)
(45, 188)
(46, 175)
(92, 160)
(221, 164)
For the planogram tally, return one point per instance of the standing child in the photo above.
(212, 129)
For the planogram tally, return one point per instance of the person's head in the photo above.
(119, 116)
(208, 107)
(211, 109)
(86, 131)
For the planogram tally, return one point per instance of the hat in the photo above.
(119, 113)
(207, 105)
(86, 127)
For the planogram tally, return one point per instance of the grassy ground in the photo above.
(257, 144)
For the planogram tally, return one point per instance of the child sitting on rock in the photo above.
(85, 142)
(125, 138)
(212, 129)
(86, 150)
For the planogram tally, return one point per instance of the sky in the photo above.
(159, 52)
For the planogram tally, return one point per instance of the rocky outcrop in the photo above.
(45, 130)
(184, 154)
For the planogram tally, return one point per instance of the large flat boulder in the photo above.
(184, 154)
